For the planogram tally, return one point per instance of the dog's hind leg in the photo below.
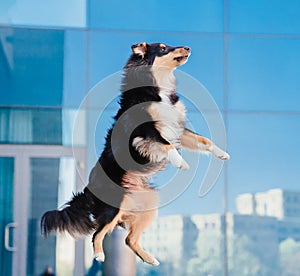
(99, 236)
(197, 142)
(137, 226)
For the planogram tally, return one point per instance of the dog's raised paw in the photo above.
(100, 257)
(176, 160)
(225, 156)
(184, 165)
(217, 152)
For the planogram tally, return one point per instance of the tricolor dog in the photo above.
(149, 130)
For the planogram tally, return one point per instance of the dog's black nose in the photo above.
(187, 48)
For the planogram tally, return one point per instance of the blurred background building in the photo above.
(191, 245)
(245, 52)
(276, 202)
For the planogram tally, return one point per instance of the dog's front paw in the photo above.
(155, 262)
(216, 151)
(176, 160)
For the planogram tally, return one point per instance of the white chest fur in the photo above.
(169, 120)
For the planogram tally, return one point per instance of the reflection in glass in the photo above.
(52, 126)
(43, 13)
(52, 182)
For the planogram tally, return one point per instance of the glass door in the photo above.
(33, 180)
(52, 181)
(7, 223)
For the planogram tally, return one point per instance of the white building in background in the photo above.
(265, 219)
(277, 203)
(245, 204)
(164, 238)
(210, 222)
(170, 237)
(262, 231)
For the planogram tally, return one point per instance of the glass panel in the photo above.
(52, 126)
(263, 73)
(264, 193)
(16, 126)
(73, 127)
(75, 57)
(31, 67)
(45, 13)
(6, 211)
(47, 126)
(31, 126)
(264, 16)
(205, 16)
(257, 143)
(52, 183)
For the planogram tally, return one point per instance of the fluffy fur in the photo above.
(147, 133)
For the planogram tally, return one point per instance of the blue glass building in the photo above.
(52, 53)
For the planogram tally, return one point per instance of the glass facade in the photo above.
(32, 66)
(244, 52)
(49, 13)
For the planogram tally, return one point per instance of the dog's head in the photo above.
(159, 54)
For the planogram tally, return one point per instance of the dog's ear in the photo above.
(139, 49)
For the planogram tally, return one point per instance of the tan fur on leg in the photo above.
(98, 240)
(197, 142)
(138, 225)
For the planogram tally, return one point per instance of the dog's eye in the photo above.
(163, 48)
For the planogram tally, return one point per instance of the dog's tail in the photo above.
(75, 218)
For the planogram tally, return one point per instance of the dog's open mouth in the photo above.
(181, 58)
